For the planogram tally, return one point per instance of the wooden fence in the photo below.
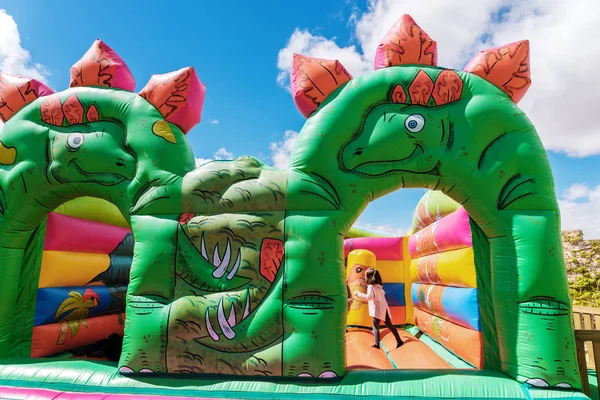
(587, 340)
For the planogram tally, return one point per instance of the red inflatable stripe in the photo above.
(384, 248)
(65, 233)
(60, 337)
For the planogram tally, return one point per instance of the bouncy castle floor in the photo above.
(413, 371)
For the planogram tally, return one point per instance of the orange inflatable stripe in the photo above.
(62, 268)
(463, 342)
(360, 354)
(414, 354)
(58, 338)
(398, 315)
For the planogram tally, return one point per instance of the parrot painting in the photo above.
(73, 311)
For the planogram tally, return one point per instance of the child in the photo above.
(378, 306)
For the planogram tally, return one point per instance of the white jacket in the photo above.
(378, 306)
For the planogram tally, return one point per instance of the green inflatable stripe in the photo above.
(86, 377)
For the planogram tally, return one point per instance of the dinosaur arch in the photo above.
(238, 267)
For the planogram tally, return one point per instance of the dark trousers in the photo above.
(392, 328)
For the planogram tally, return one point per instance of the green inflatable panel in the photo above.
(238, 267)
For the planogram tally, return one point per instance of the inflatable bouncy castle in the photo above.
(237, 279)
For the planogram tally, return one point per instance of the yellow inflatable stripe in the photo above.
(93, 209)
(453, 268)
(61, 268)
(407, 286)
(391, 271)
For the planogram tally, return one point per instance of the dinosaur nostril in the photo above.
(358, 152)
(120, 164)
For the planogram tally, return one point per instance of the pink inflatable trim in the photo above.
(385, 248)
(66, 233)
(449, 233)
(26, 393)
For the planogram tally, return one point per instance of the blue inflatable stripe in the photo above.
(99, 301)
(394, 294)
(459, 305)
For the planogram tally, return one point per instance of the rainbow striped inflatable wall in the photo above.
(433, 270)
(87, 255)
(444, 289)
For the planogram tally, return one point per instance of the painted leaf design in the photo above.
(74, 325)
(74, 301)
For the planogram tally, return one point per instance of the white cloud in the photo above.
(200, 161)
(576, 191)
(14, 59)
(580, 209)
(385, 229)
(214, 122)
(565, 52)
(281, 151)
(221, 154)
(303, 42)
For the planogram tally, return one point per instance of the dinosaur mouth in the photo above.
(544, 306)
(226, 324)
(221, 265)
(380, 167)
(103, 178)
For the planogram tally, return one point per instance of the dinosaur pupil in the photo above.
(412, 124)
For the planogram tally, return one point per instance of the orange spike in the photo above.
(101, 66)
(398, 94)
(52, 112)
(313, 79)
(178, 95)
(16, 92)
(420, 89)
(73, 110)
(448, 87)
(406, 43)
(507, 67)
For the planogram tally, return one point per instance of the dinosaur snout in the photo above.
(352, 156)
(124, 165)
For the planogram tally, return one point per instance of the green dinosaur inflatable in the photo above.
(238, 267)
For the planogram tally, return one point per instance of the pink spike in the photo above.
(101, 66)
(92, 114)
(420, 89)
(406, 43)
(178, 95)
(73, 110)
(507, 67)
(51, 111)
(313, 79)
(16, 92)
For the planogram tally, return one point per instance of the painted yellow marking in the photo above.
(8, 155)
(161, 128)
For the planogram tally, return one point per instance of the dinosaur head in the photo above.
(398, 138)
(91, 153)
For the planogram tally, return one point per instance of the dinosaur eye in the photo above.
(414, 123)
(359, 270)
(75, 140)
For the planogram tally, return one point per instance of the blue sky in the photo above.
(240, 48)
